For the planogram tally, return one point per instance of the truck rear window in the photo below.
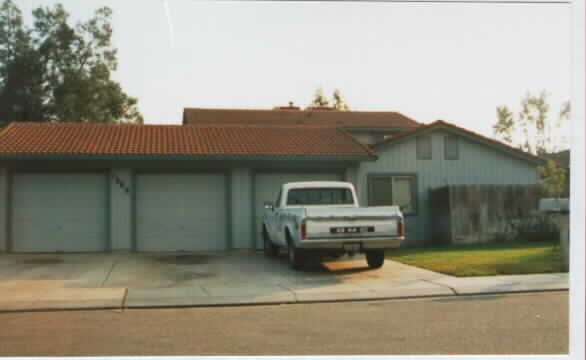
(320, 196)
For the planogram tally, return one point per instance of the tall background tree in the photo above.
(321, 101)
(339, 101)
(57, 72)
(531, 129)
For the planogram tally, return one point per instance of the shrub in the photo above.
(537, 228)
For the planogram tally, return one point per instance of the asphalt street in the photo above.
(531, 323)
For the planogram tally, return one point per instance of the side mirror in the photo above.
(269, 205)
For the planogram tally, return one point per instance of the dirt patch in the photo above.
(43, 261)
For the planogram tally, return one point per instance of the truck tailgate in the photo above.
(352, 222)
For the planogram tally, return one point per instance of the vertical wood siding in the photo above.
(477, 164)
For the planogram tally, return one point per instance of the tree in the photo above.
(56, 72)
(532, 127)
(553, 178)
(321, 101)
(339, 101)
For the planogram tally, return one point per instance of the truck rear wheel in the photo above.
(294, 255)
(375, 258)
(270, 249)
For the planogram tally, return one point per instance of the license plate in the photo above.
(352, 229)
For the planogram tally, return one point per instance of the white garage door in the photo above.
(59, 212)
(181, 212)
(267, 186)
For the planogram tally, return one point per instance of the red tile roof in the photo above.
(282, 116)
(449, 126)
(177, 140)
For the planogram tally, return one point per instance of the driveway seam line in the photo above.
(110, 272)
(443, 285)
(203, 288)
(291, 291)
(124, 298)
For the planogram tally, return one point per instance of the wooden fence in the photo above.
(465, 214)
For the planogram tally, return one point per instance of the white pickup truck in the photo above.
(323, 218)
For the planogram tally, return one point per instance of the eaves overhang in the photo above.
(211, 157)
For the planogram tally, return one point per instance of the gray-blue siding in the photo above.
(477, 164)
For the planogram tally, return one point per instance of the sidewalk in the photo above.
(122, 281)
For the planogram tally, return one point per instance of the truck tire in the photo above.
(270, 249)
(375, 258)
(294, 255)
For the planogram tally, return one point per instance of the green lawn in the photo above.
(484, 259)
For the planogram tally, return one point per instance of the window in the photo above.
(398, 190)
(321, 196)
(451, 150)
(424, 147)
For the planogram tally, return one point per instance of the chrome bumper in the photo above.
(370, 243)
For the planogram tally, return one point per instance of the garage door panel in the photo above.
(59, 212)
(181, 212)
(267, 186)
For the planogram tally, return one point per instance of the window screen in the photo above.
(451, 148)
(403, 193)
(393, 190)
(380, 191)
(424, 147)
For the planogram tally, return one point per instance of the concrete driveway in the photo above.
(123, 280)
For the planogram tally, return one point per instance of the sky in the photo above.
(429, 61)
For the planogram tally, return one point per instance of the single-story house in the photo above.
(200, 186)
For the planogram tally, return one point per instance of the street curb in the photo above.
(273, 303)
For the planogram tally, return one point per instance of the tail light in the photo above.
(401, 227)
(303, 230)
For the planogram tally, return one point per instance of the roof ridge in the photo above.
(302, 110)
(249, 125)
(270, 126)
(82, 124)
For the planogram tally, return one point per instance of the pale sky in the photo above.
(455, 62)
